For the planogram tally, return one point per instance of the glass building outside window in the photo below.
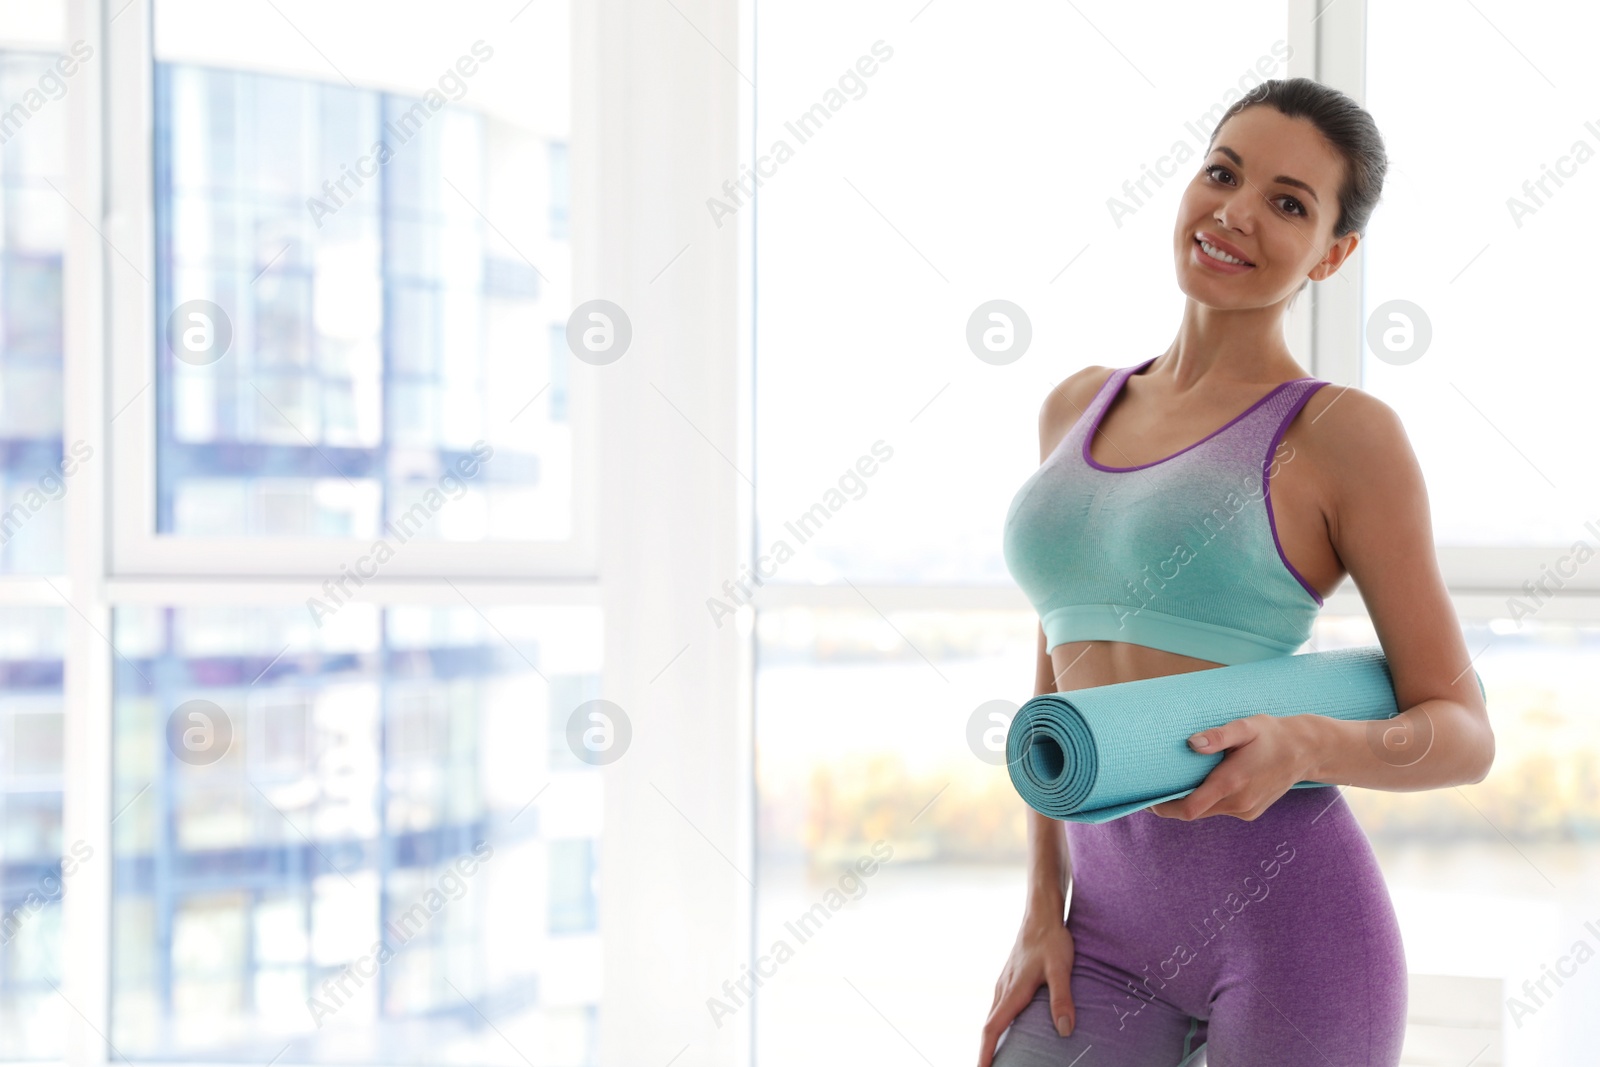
(35, 471)
(327, 849)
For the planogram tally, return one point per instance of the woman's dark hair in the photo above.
(1345, 125)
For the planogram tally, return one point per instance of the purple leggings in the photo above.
(1227, 943)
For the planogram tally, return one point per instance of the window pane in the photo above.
(893, 203)
(329, 849)
(36, 864)
(360, 272)
(35, 470)
(857, 736)
(1493, 403)
(860, 739)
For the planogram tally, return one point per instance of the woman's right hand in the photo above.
(1042, 955)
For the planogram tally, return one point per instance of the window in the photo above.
(36, 472)
(262, 800)
(326, 826)
(35, 468)
(322, 847)
(361, 269)
(36, 863)
(386, 334)
(1461, 303)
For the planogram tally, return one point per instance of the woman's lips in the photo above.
(1206, 260)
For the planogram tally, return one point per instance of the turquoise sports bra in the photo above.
(1181, 554)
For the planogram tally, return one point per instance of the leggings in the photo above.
(1225, 943)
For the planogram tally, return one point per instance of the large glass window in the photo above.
(356, 285)
(36, 472)
(34, 468)
(1475, 329)
(36, 864)
(325, 846)
(354, 307)
(350, 829)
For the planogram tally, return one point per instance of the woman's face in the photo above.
(1269, 190)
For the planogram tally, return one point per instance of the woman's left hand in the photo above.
(1266, 756)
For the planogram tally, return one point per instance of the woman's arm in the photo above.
(1403, 754)
(1049, 860)
(1380, 525)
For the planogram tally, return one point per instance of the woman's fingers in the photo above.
(1062, 1010)
(1006, 1008)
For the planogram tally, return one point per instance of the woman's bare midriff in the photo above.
(1085, 664)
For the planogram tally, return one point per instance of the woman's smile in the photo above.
(1206, 259)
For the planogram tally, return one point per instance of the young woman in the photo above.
(1191, 512)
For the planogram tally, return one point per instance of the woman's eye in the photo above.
(1299, 208)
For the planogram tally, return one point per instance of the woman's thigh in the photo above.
(1113, 1029)
(1321, 981)
(1316, 1018)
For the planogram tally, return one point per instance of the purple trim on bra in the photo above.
(1129, 372)
(1266, 488)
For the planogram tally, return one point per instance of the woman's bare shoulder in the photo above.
(1351, 435)
(1067, 402)
(1337, 419)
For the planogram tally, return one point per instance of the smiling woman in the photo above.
(1328, 143)
(1289, 181)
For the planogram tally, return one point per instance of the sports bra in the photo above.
(1181, 554)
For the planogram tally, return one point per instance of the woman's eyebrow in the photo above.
(1282, 179)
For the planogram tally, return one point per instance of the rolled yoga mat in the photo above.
(1097, 754)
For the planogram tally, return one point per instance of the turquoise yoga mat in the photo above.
(1093, 755)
